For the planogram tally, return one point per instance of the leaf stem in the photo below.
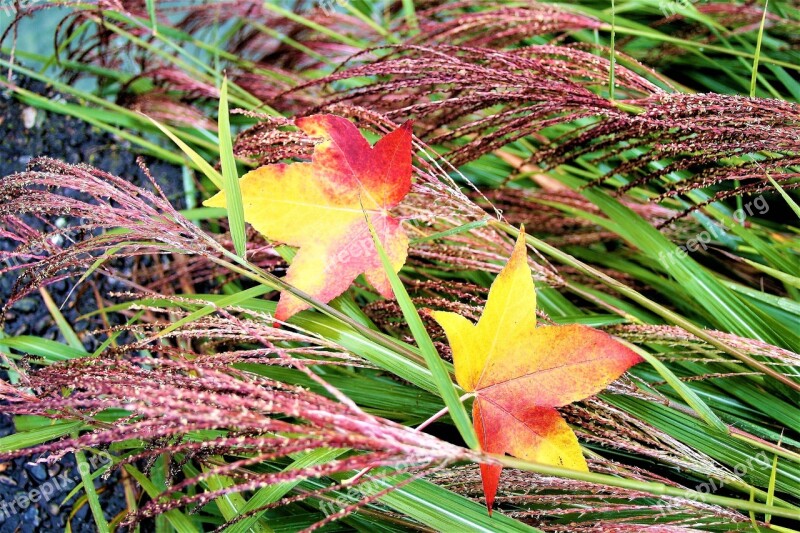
(439, 414)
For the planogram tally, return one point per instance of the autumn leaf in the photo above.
(320, 207)
(520, 373)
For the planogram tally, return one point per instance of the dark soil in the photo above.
(26, 133)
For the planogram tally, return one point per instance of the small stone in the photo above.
(21, 476)
(11, 524)
(25, 305)
(82, 514)
(29, 117)
(38, 472)
(42, 325)
(30, 519)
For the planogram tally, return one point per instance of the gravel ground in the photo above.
(26, 133)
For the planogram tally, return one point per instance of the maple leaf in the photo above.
(520, 373)
(320, 207)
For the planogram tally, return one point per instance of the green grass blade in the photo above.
(728, 311)
(209, 171)
(380, 30)
(115, 334)
(26, 439)
(230, 177)
(410, 14)
(788, 279)
(440, 374)
(233, 299)
(687, 394)
(74, 110)
(469, 226)
(294, 17)
(79, 487)
(151, 11)
(785, 195)
(289, 41)
(275, 492)
(613, 59)
(50, 351)
(91, 493)
(771, 487)
(443, 510)
(757, 55)
(63, 326)
(231, 504)
(203, 213)
(176, 518)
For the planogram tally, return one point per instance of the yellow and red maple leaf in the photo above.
(319, 207)
(520, 373)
